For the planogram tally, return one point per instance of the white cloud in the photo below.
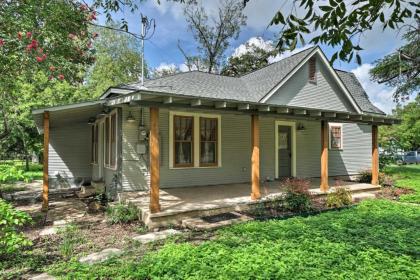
(379, 94)
(253, 42)
(286, 54)
(166, 67)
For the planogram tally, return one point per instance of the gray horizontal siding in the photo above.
(236, 152)
(325, 94)
(357, 151)
(69, 151)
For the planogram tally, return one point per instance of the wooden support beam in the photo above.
(283, 110)
(315, 113)
(196, 102)
(375, 156)
(168, 100)
(299, 111)
(324, 156)
(244, 107)
(264, 108)
(45, 181)
(154, 160)
(330, 114)
(255, 158)
(219, 105)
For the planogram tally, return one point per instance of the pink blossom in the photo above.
(39, 59)
(52, 68)
(50, 77)
(83, 7)
(19, 35)
(28, 34)
(1, 42)
(61, 77)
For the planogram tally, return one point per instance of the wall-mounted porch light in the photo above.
(130, 118)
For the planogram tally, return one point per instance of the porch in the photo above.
(177, 204)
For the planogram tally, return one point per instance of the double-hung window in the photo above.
(336, 136)
(183, 141)
(194, 140)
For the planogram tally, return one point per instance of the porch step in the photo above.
(358, 197)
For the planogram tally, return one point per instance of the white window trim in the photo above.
(109, 166)
(293, 129)
(196, 139)
(330, 125)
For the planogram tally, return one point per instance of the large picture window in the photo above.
(208, 141)
(183, 141)
(336, 136)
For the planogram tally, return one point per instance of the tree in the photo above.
(165, 70)
(252, 58)
(213, 35)
(39, 38)
(405, 136)
(401, 69)
(118, 60)
(341, 23)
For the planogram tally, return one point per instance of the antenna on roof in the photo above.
(147, 30)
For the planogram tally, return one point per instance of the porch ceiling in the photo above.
(159, 99)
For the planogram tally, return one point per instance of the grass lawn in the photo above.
(377, 239)
(406, 176)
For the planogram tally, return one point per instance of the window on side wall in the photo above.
(94, 143)
(110, 148)
(183, 128)
(336, 136)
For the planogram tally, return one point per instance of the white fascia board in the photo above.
(111, 90)
(331, 70)
(66, 107)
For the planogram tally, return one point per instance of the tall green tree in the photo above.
(118, 60)
(401, 69)
(213, 35)
(405, 136)
(253, 58)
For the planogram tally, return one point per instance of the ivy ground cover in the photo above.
(376, 239)
(406, 176)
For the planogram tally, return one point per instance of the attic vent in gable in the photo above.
(312, 69)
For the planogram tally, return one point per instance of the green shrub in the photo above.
(10, 221)
(71, 238)
(297, 197)
(122, 213)
(365, 176)
(339, 197)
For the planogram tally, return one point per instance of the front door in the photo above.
(284, 151)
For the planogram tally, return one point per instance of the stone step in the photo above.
(357, 197)
(154, 236)
(100, 256)
(200, 223)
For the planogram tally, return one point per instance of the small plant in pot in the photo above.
(297, 197)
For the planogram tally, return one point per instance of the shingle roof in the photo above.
(358, 93)
(251, 87)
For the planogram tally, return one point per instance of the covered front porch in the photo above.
(177, 204)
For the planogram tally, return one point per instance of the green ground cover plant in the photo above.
(339, 197)
(377, 239)
(14, 170)
(406, 176)
(122, 213)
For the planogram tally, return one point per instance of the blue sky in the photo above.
(171, 26)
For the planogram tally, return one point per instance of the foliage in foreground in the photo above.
(365, 176)
(374, 240)
(10, 220)
(406, 177)
(297, 195)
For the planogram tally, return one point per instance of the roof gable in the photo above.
(323, 93)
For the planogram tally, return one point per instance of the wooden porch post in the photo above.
(45, 183)
(154, 160)
(375, 156)
(255, 158)
(324, 156)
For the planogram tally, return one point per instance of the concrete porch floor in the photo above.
(179, 203)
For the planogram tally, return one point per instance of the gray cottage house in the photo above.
(195, 131)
